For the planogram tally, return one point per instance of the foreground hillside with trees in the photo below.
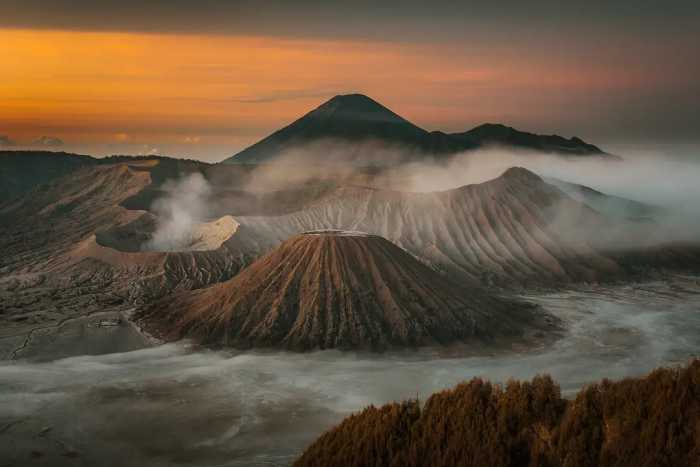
(642, 422)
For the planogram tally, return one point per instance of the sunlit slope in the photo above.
(516, 227)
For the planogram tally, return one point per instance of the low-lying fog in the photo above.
(666, 178)
(172, 405)
(658, 179)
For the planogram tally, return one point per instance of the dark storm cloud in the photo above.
(388, 20)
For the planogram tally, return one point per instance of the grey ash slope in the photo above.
(64, 225)
(66, 238)
(509, 229)
(356, 118)
(612, 206)
(515, 229)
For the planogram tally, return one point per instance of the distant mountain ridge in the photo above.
(360, 119)
(22, 171)
(495, 133)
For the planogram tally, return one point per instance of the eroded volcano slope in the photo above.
(335, 289)
(54, 273)
(515, 229)
(84, 242)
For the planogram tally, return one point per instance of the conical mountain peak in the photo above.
(348, 118)
(337, 289)
(357, 107)
(344, 125)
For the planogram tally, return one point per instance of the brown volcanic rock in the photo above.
(333, 289)
(71, 225)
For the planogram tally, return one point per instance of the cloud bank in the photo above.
(48, 141)
(171, 404)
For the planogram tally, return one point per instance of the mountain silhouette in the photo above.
(379, 136)
(495, 133)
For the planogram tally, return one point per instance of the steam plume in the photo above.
(184, 205)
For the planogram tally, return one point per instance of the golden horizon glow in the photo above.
(118, 88)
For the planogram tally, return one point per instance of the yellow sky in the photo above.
(185, 91)
(99, 82)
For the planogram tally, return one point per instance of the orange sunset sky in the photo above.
(208, 92)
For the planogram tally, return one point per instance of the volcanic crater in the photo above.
(144, 234)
